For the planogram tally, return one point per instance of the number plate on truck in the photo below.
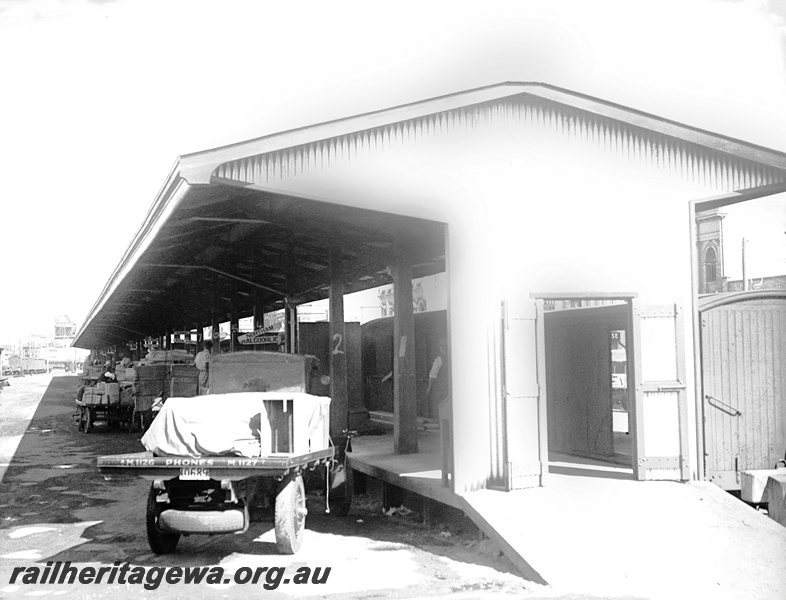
(193, 473)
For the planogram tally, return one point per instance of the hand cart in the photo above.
(111, 404)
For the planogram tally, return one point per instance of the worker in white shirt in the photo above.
(202, 363)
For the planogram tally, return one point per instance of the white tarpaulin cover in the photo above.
(234, 424)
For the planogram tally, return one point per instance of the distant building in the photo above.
(709, 244)
(709, 247)
(65, 331)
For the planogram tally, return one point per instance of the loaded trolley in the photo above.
(110, 403)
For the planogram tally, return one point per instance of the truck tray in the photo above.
(232, 468)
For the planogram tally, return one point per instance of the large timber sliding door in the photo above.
(743, 359)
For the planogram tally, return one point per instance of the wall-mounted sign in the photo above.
(266, 329)
(254, 338)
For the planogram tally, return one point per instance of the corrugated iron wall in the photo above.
(743, 349)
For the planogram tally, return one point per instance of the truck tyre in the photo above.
(290, 514)
(160, 543)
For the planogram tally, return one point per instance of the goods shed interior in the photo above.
(211, 253)
(227, 251)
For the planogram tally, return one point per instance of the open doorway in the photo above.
(621, 409)
(588, 346)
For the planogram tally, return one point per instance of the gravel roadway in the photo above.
(55, 506)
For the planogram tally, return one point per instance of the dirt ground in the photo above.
(55, 506)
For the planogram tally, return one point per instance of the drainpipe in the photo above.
(744, 267)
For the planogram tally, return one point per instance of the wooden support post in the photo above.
(405, 410)
(215, 333)
(234, 324)
(358, 411)
(339, 403)
(290, 326)
(259, 315)
(392, 496)
(360, 481)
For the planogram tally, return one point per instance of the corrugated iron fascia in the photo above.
(667, 127)
(688, 157)
(199, 166)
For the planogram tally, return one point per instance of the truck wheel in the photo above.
(342, 483)
(160, 542)
(290, 514)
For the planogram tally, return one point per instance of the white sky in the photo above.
(762, 223)
(97, 99)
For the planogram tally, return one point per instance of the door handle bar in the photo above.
(736, 412)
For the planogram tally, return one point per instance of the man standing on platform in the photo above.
(202, 363)
(438, 384)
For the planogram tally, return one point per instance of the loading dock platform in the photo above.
(594, 529)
